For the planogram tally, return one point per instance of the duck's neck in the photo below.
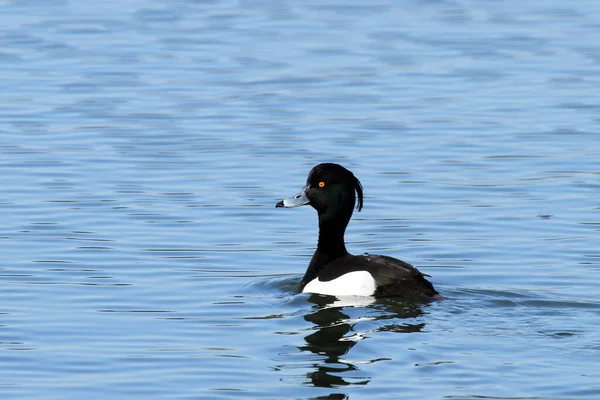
(330, 247)
(331, 238)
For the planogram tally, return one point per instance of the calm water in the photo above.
(144, 144)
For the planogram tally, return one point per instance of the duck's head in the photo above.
(331, 190)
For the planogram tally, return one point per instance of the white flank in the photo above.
(357, 283)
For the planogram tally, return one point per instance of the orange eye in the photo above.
(321, 184)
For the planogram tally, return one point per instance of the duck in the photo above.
(333, 191)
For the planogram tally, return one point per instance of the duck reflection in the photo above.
(335, 334)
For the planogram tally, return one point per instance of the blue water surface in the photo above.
(144, 144)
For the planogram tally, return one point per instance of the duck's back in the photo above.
(393, 277)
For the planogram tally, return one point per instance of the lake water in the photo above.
(144, 144)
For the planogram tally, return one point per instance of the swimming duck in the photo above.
(332, 190)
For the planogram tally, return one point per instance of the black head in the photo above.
(332, 186)
(331, 190)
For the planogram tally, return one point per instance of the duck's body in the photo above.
(369, 275)
(330, 189)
